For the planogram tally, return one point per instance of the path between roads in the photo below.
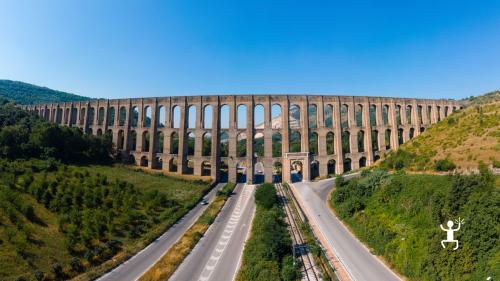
(137, 265)
(217, 255)
(358, 261)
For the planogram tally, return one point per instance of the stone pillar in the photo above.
(250, 140)
(339, 153)
(198, 140)
(233, 135)
(268, 142)
(368, 133)
(86, 118)
(394, 130)
(182, 156)
(126, 131)
(304, 121)
(152, 134)
(215, 154)
(285, 139)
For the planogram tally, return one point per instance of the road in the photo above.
(358, 261)
(217, 256)
(133, 268)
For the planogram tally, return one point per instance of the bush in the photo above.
(444, 165)
(265, 196)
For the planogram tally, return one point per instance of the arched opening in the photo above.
(135, 116)
(148, 116)
(241, 146)
(100, 116)
(408, 114)
(446, 111)
(121, 140)
(295, 142)
(174, 143)
(294, 116)
(328, 116)
(59, 117)
(131, 160)
(66, 116)
(111, 116)
(224, 117)
(89, 131)
(385, 114)
(374, 140)
(207, 144)
(99, 132)
(314, 169)
(277, 172)
(387, 139)
(145, 141)
(172, 165)
(258, 144)
(144, 161)
(346, 143)
(438, 113)
(191, 138)
(189, 167)
(376, 158)
(241, 172)
(330, 143)
(159, 142)
(361, 141)
(347, 165)
(313, 143)
(362, 162)
(162, 114)
(277, 145)
(133, 140)
(276, 117)
(258, 116)
(419, 114)
(296, 171)
(158, 163)
(223, 171)
(373, 115)
(91, 115)
(258, 173)
(241, 119)
(176, 117)
(313, 116)
(73, 117)
(206, 167)
(207, 117)
(191, 117)
(398, 114)
(224, 144)
(344, 116)
(331, 167)
(358, 113)
(422, 129)
(400, 136)
(412, 133)
(122, 116)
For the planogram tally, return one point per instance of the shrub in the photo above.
(265, 196)
(444, 165)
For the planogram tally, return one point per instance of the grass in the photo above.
(169, 262)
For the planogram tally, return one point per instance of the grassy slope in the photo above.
(48, 245)
(466, 137)
(24, 93)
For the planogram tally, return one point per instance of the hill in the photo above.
(461, 141)
(24, 93)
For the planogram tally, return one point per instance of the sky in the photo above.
(120, 49)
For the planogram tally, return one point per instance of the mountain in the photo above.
(24, 93)
(461, 141)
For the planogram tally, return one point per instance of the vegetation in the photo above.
(460, 141)
(24, 93)
(398, 216)
(268, 253)
(167, 265)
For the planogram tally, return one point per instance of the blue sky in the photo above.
(111, 49)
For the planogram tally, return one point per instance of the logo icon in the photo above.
(450, 232)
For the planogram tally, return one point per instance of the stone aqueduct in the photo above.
(203, 136)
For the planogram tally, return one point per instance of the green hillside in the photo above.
(24, 93)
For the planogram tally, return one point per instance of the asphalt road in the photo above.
(217, 256)
(359, 262)
(133, 268)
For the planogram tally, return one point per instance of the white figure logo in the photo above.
(450, 232)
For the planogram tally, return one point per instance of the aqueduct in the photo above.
(259, 136)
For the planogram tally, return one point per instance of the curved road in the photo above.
(135, 267)
(217, 255)
(358, 261)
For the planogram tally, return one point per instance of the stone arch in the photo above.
(344, 116)
(131, 160)
(172, 165)
(387, 139)
(191, 140)
(100, 116)
(277, 145)
(73, 117)
(189, 167)
(438, 113)
(347, 165)
(174, 143)
(276, 116)
(241, 118)
(373, 115)
(422, 129)
(158, 163)
(277, 171)
(258, 172)
(91, 116)
(162, 114)
(385, 114)
(135, 116)
(191, 117)
(224, 144)
(330, 166)
(374, 140)
(346, 142)
(121, 140)
(207, 144)
(409, 112)
(159, 142)
(358, 115)
(241, 172)
(122, 117)
(328, 115)
(314, 169)
(362, 162)
(207, 116)
(258, 144)
(147, 116)
(313, 143)
(176, 117)
(397, 112)
(295, 142)
(99, 132)
(400, 136)
(412, 133)
(66, 116)
(361, 141)
(241, 145)
(146, 138)
(224, 116)
(419, 114)
(258, 116)
(59, 117)
(429, 111)
(296, 170)
(330, 143)
(376, 158)
(312, 116)
(294, 117)
(446, 111)
(206, 168)
(133, 140)
(223, 171)
(111, 116)
(144, 161)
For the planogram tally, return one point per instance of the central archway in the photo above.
(296, 169)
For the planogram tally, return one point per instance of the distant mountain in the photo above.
(24, 93)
